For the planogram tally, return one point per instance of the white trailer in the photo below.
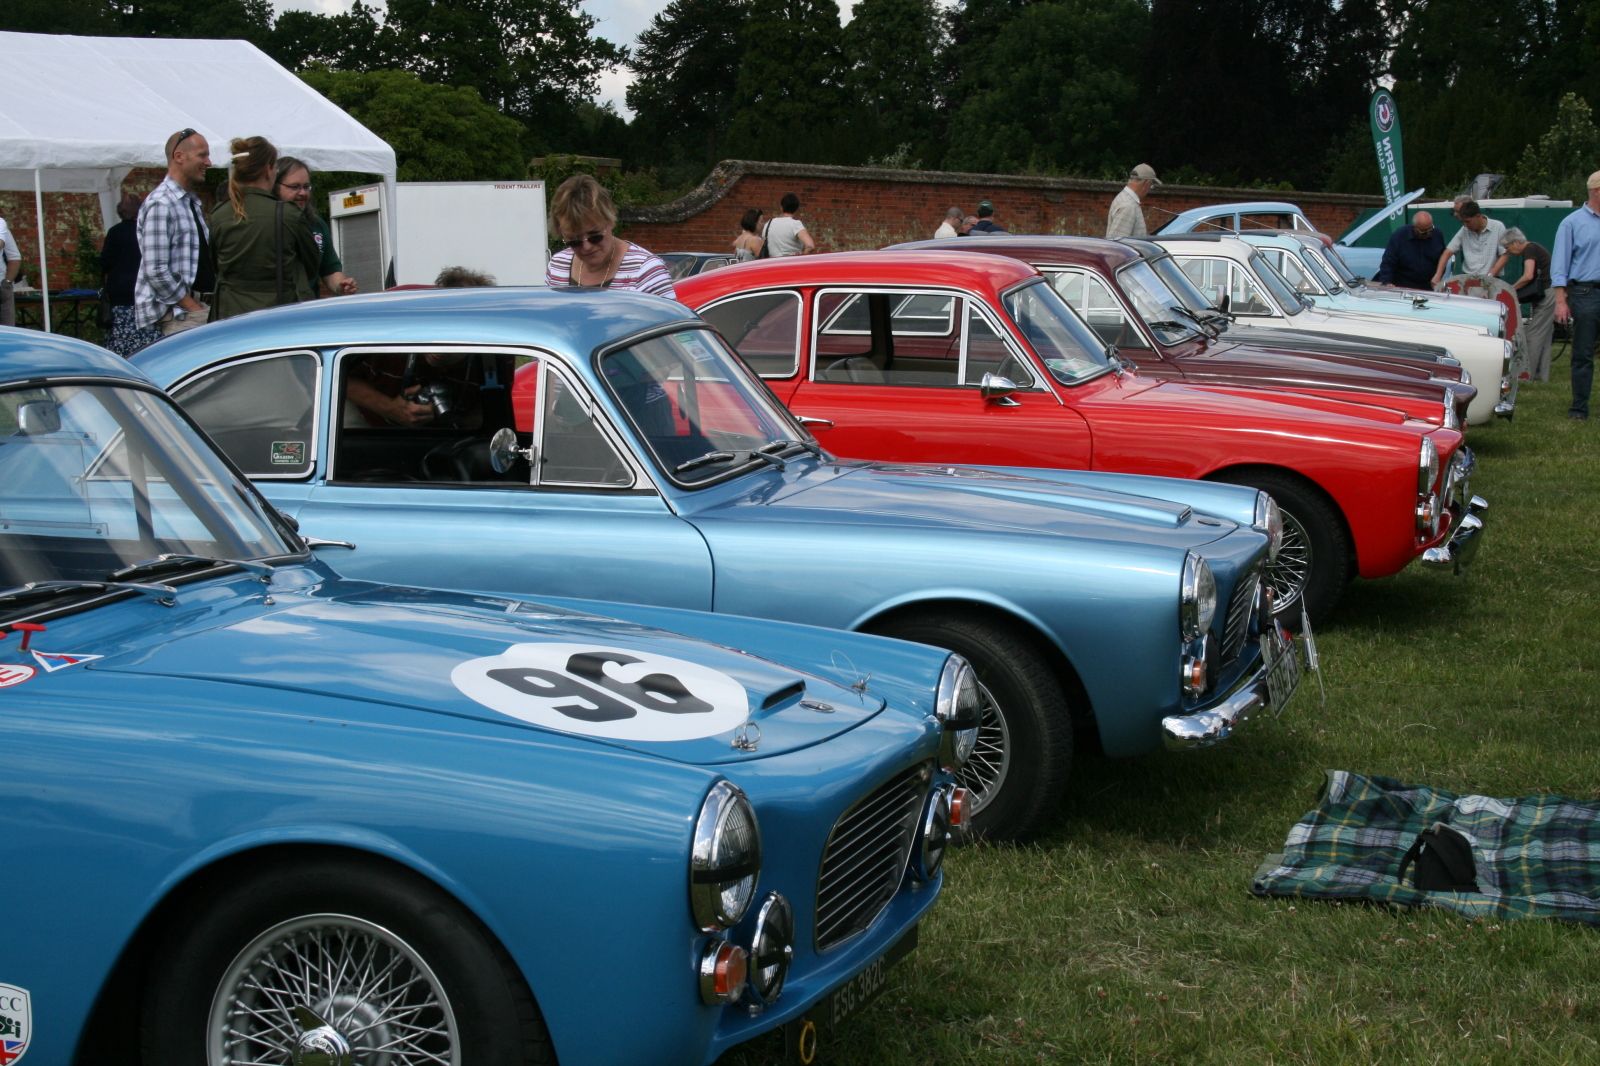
(492, 227)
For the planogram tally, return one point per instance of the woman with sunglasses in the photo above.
(583, 214)
(293, 185)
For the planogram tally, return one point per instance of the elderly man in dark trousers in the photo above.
(1575, 280)
(176, 273)
(1411, 253)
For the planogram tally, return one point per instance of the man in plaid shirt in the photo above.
(175, 269)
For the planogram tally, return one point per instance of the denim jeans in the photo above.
(1584, 301)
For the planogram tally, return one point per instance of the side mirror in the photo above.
(504, 452)
(997, 390)
(38, 418)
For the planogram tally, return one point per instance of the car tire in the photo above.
(1019, 770)
(450, 990)
(1314, 563)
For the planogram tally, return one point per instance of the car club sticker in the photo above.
(598, 691)
(14, 674)
(16, 1024)
(51, 661)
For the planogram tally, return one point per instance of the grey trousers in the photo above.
(1538, 326)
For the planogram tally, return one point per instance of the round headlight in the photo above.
(1269, 520)
(1197, 597)
(772, 948)
(1427, 466)
(726, 859)
(958, 704)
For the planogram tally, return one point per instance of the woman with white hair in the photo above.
(1538, 306)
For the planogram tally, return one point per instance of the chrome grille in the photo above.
(866, 855)
(1237, 626)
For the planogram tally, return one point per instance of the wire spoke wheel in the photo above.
(985, 772)
(356, 977)
(1288, 574)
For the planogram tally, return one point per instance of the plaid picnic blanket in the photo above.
(1536, 856)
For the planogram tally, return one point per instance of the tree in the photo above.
(1051, 88)
(532, 59)
(438, 133)
(684, 64)
(1559, 164)
(355, 40)
(789, 100)
(892, 48)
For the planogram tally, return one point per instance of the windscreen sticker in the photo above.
(598, 691)
(51, 661)
(14, 674)
(288, 453)
(16, 1023)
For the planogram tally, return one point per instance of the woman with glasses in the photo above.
(265, 253)
(583, 215)
(293, 185)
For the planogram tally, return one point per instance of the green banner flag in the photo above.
(1386, 139)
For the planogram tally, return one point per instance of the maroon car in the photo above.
(1130, 302)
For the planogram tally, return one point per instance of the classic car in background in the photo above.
(1263, 214)
(1127, 298)
(609, 445)
(687, 264)
(1236, 276)
(1297, 257)
(960, 357)
(269, 814)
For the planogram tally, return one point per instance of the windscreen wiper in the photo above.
(39, 591)
(702, 460)
(178, 561)
(1197, 320)
(809, 445)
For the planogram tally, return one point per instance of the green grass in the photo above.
(1126, 934)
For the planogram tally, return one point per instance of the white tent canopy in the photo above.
(82, 111)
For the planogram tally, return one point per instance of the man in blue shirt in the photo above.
(1409, 258)
(1575, 279)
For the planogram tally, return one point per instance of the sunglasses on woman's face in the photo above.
(593, 237)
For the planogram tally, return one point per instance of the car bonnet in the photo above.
(389, 654)
(990, 501)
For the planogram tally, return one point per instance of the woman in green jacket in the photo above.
(266, 253)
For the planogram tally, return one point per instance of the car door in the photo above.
(897, 374)
(576, 515)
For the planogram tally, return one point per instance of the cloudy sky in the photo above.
(620, 21)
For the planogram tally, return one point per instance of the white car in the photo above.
(1238, 278)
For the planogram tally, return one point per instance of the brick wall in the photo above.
(63, 213)
(848, 208)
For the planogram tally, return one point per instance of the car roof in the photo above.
(1231, 240)
(1041, 247)
(566, 319)
(28, 354)
(961, 269)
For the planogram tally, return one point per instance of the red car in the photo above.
(1135, 296)
(959, 357)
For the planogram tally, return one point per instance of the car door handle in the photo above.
(819, 423)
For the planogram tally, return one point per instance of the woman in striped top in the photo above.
(583, 214)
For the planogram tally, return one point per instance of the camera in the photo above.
(438, 395)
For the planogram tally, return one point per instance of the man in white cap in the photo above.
(1575, 280)
(1126, 218)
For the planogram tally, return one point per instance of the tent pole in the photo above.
(44, 253)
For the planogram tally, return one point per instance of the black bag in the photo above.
(102, 311)
(1443, 858)
(764, 254)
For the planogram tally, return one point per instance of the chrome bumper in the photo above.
(1268, 688)
(1457, 552)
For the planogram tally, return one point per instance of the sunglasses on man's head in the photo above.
(183, 135)
(593, 237)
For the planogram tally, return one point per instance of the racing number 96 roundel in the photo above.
(598, 691)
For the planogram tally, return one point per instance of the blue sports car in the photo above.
(610, 445)
(257, 812)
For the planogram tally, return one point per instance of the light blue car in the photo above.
(257, 812)
(610, 445)
(1250, 215)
